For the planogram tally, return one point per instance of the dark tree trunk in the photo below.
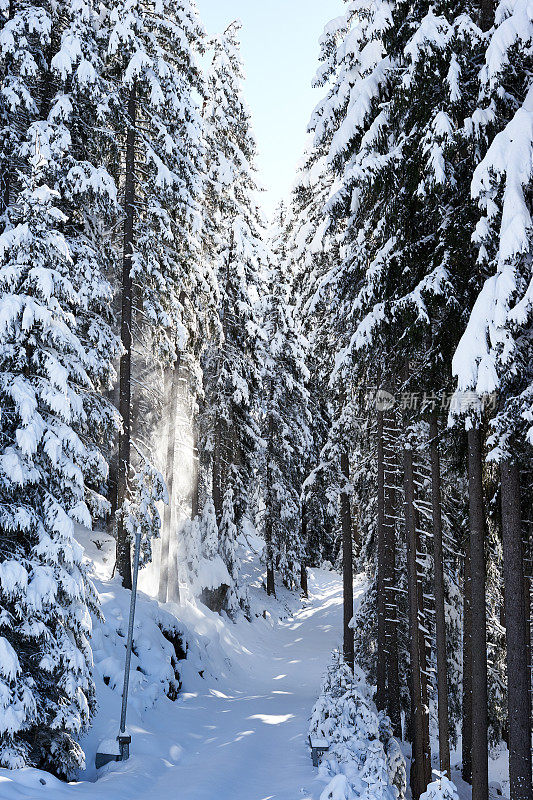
(467, 669)
(195, 480)
(270, 580)
(347, 561)
(168, 515)
(381, 676)
(218, 497)
(516, 631)
(124, 446)
(527, 592)
(303, 563)
(480, 765)
(423, 648)
(269, 509)
(486, 14)
(440, 617)
(5, 165)
(389, 571)
(420, 723)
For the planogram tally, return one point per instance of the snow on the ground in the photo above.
(238, 729)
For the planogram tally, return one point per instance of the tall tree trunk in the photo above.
(269, 552)
(217, 490)
(440, 617)
(486, 14)
(516, 630)
(269, 510)
(381, 692)
(389, 571)
(124, 445)
(527, 598)
(423, 646)
(480, 765)
(4, 185)
(419, 716)
(347, 561)
(168, 515)
(303, 562)
(195, 478)
(466, 735)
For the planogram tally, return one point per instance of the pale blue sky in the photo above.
(280, 53)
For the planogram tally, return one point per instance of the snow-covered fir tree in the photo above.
(167, 288)
(286, 421)
(57, 349)
(231, 369)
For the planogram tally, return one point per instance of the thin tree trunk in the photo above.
(217, 474)
(440, 617)
(467, 669)
(381, 692)
(303, 563)
(391, 608)
(164, 567)
(347, 561)
(480, 765)
(527, 600)
(195, 480)
(124, 446)
(423, 648)
(269, 510)
(515, 631)
(419, 716)
(486, 14)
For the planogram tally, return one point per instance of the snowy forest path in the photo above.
(249, 740)
(241, 734)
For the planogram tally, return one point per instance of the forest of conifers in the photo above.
(354, 379)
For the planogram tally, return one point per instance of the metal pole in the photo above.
(124, 740)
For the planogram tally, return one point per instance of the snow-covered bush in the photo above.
(140, 511)
(204, 568)
(440, 789)
(362, 748)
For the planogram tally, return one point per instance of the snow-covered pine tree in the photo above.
(151, 57)
(403, 183)
(310, 254)
(231, 369)
(494, 355)
(286, 419)
(57, 350)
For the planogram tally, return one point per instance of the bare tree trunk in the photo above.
(419, 715)
(269, 552)
(303, 563)
(124, 445)
(5, 165)
(195, 479)
(269, 510)
(467, 669)
(168, 515)
(480, 765)
(391, 608)
(486, 14)
(423, 649)
(217, 473)
(516, 631)
(527, 592)
(440, 617)
(381, 691)
(347, 561)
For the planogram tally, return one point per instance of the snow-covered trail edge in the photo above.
(241, 736)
